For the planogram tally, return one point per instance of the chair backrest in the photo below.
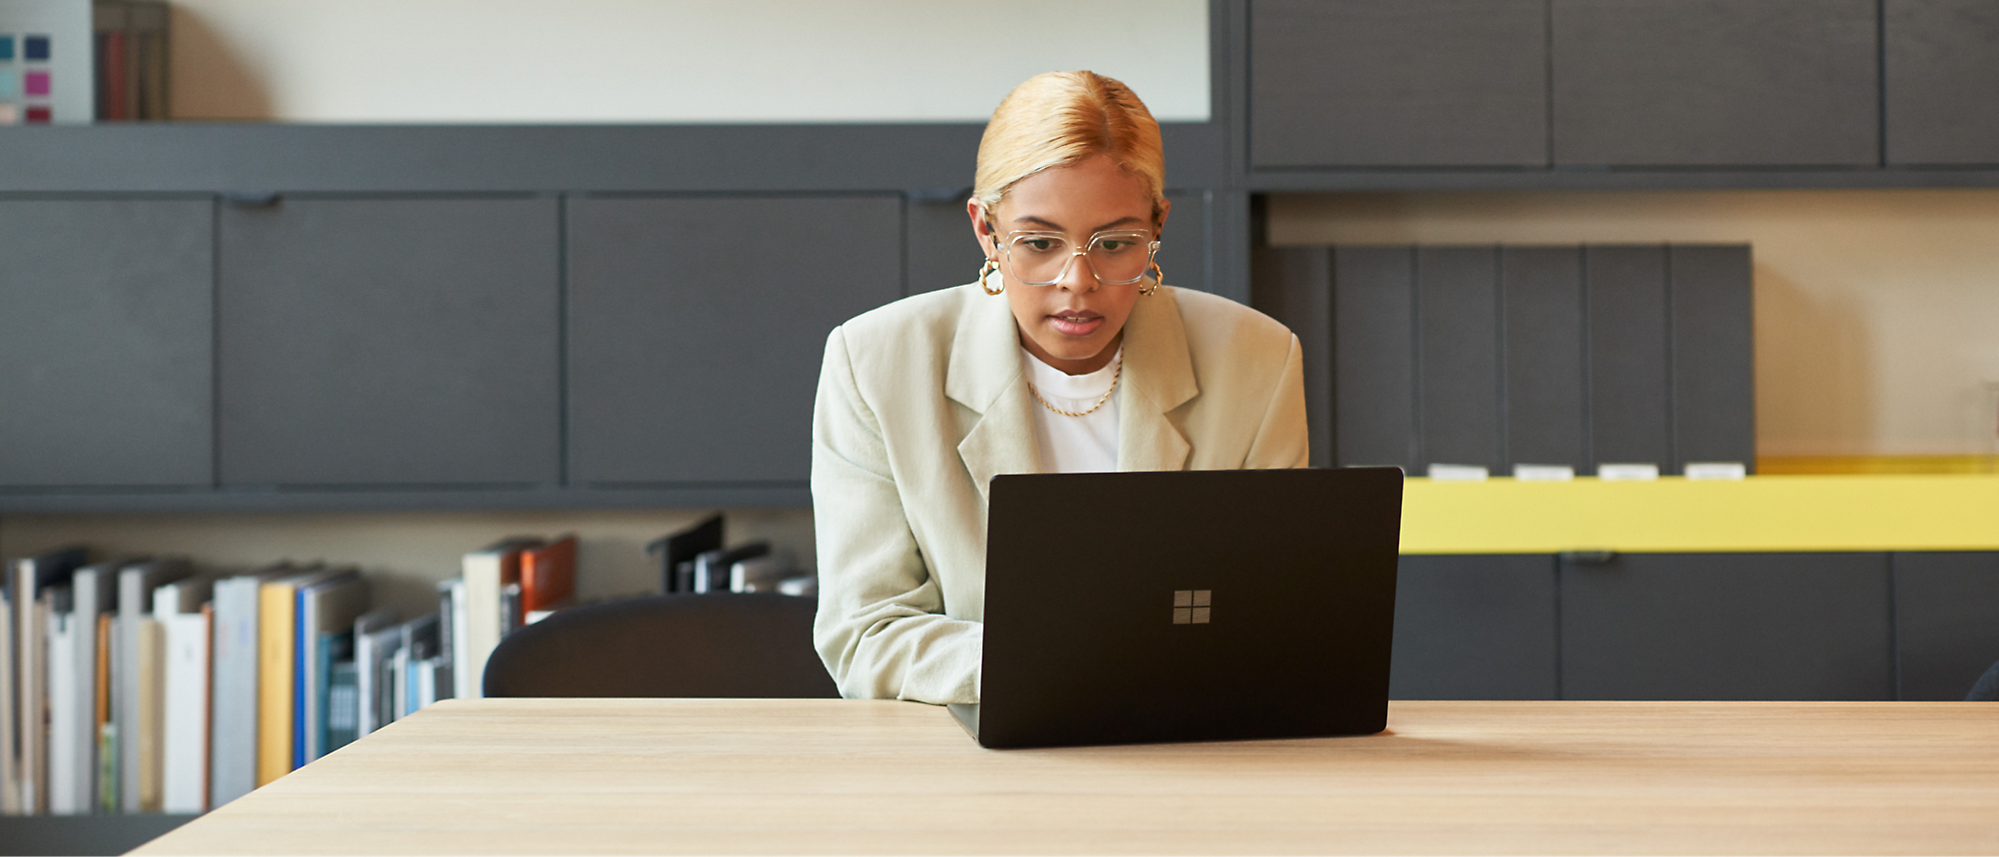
(1987, 688)
(723, 645)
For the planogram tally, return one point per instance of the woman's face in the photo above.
(1076, 324)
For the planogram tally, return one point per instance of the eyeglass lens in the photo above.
(1042, 258)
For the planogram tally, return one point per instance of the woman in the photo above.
(1069, 354)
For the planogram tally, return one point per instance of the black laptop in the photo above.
(1128, 608)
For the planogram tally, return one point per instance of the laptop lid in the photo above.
(1187, 606)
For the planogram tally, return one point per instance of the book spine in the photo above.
(125, 687)
(465, 677)
(233, 735)
(10, 797)
(184, 756)
(151, 665)
(304, 665)
(482, 616)
(274, 682)
(35, 719)
(62, 717)
(106, 731)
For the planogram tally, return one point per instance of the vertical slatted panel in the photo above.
(1295, 286)
(1373, 356)
(1457, 307)
(1714, 379)
(1629, 410)
(1543, 356)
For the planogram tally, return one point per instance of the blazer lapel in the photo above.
(985, 376)
(1159, 376)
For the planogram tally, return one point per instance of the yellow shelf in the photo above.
(1761, 513)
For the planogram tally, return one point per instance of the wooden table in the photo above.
(830, 776)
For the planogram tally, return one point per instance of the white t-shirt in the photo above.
(1085, 444)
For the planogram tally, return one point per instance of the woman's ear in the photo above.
(981, 225)
(1165, 208)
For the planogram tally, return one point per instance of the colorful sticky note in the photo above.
(38, 114)
(35, 48)
(10, 83)
(6, 48)
(37, 83)
(9, 114)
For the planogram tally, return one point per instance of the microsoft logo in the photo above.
(1190, 606)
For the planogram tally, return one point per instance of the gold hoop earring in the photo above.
(986, 273)
(1158, 279)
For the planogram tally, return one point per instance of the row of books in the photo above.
(148, 685)
(693, 560)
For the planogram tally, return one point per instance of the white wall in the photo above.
(524, 61)
(1877, 312)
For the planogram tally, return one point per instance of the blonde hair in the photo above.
(1060, 118)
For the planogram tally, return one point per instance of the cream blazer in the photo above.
(921, 403)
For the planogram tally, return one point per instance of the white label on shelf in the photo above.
(1717, 470)
(1627, 472)
(1458, 473)
(1543, 472)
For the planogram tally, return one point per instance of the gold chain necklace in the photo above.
(1119, 372)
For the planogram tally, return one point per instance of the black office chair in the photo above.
(734, 645)
(1987, 688)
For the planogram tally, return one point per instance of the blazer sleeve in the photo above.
(880, 629)
(1281, 439)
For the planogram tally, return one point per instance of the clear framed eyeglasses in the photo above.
(1116, 258)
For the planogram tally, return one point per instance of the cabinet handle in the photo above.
(1588, 557)
(251, 198)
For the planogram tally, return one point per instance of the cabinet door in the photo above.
(697, 326)
(1714, 355)
(1630, 379)
(1295, 286)
(1946, 621)
(392, 342)
(106, 343)
(1374, 371)
(1542, 297)
(1727, 626)
(1942, 78)
(1716, 82)
(939, 248)
(1457, 354)
(1364, 83)
(1474, 627)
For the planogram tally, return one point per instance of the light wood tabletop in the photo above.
(549, 776)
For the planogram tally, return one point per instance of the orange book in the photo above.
(548, 575)
(108, 790)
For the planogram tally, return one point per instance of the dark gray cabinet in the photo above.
(1940, 67)
(1457, 333)
(1291, 284)
(1714, 354)
(1804, 626)
(106, 334)
(1946, 621)
(390, 342)
(1475, 627)
(1496, 356)
(1363, 83)
(1374, 359)
(697, 325)
(1715, 82)
(1630, 379)
(939, 249)
(1545, 413)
